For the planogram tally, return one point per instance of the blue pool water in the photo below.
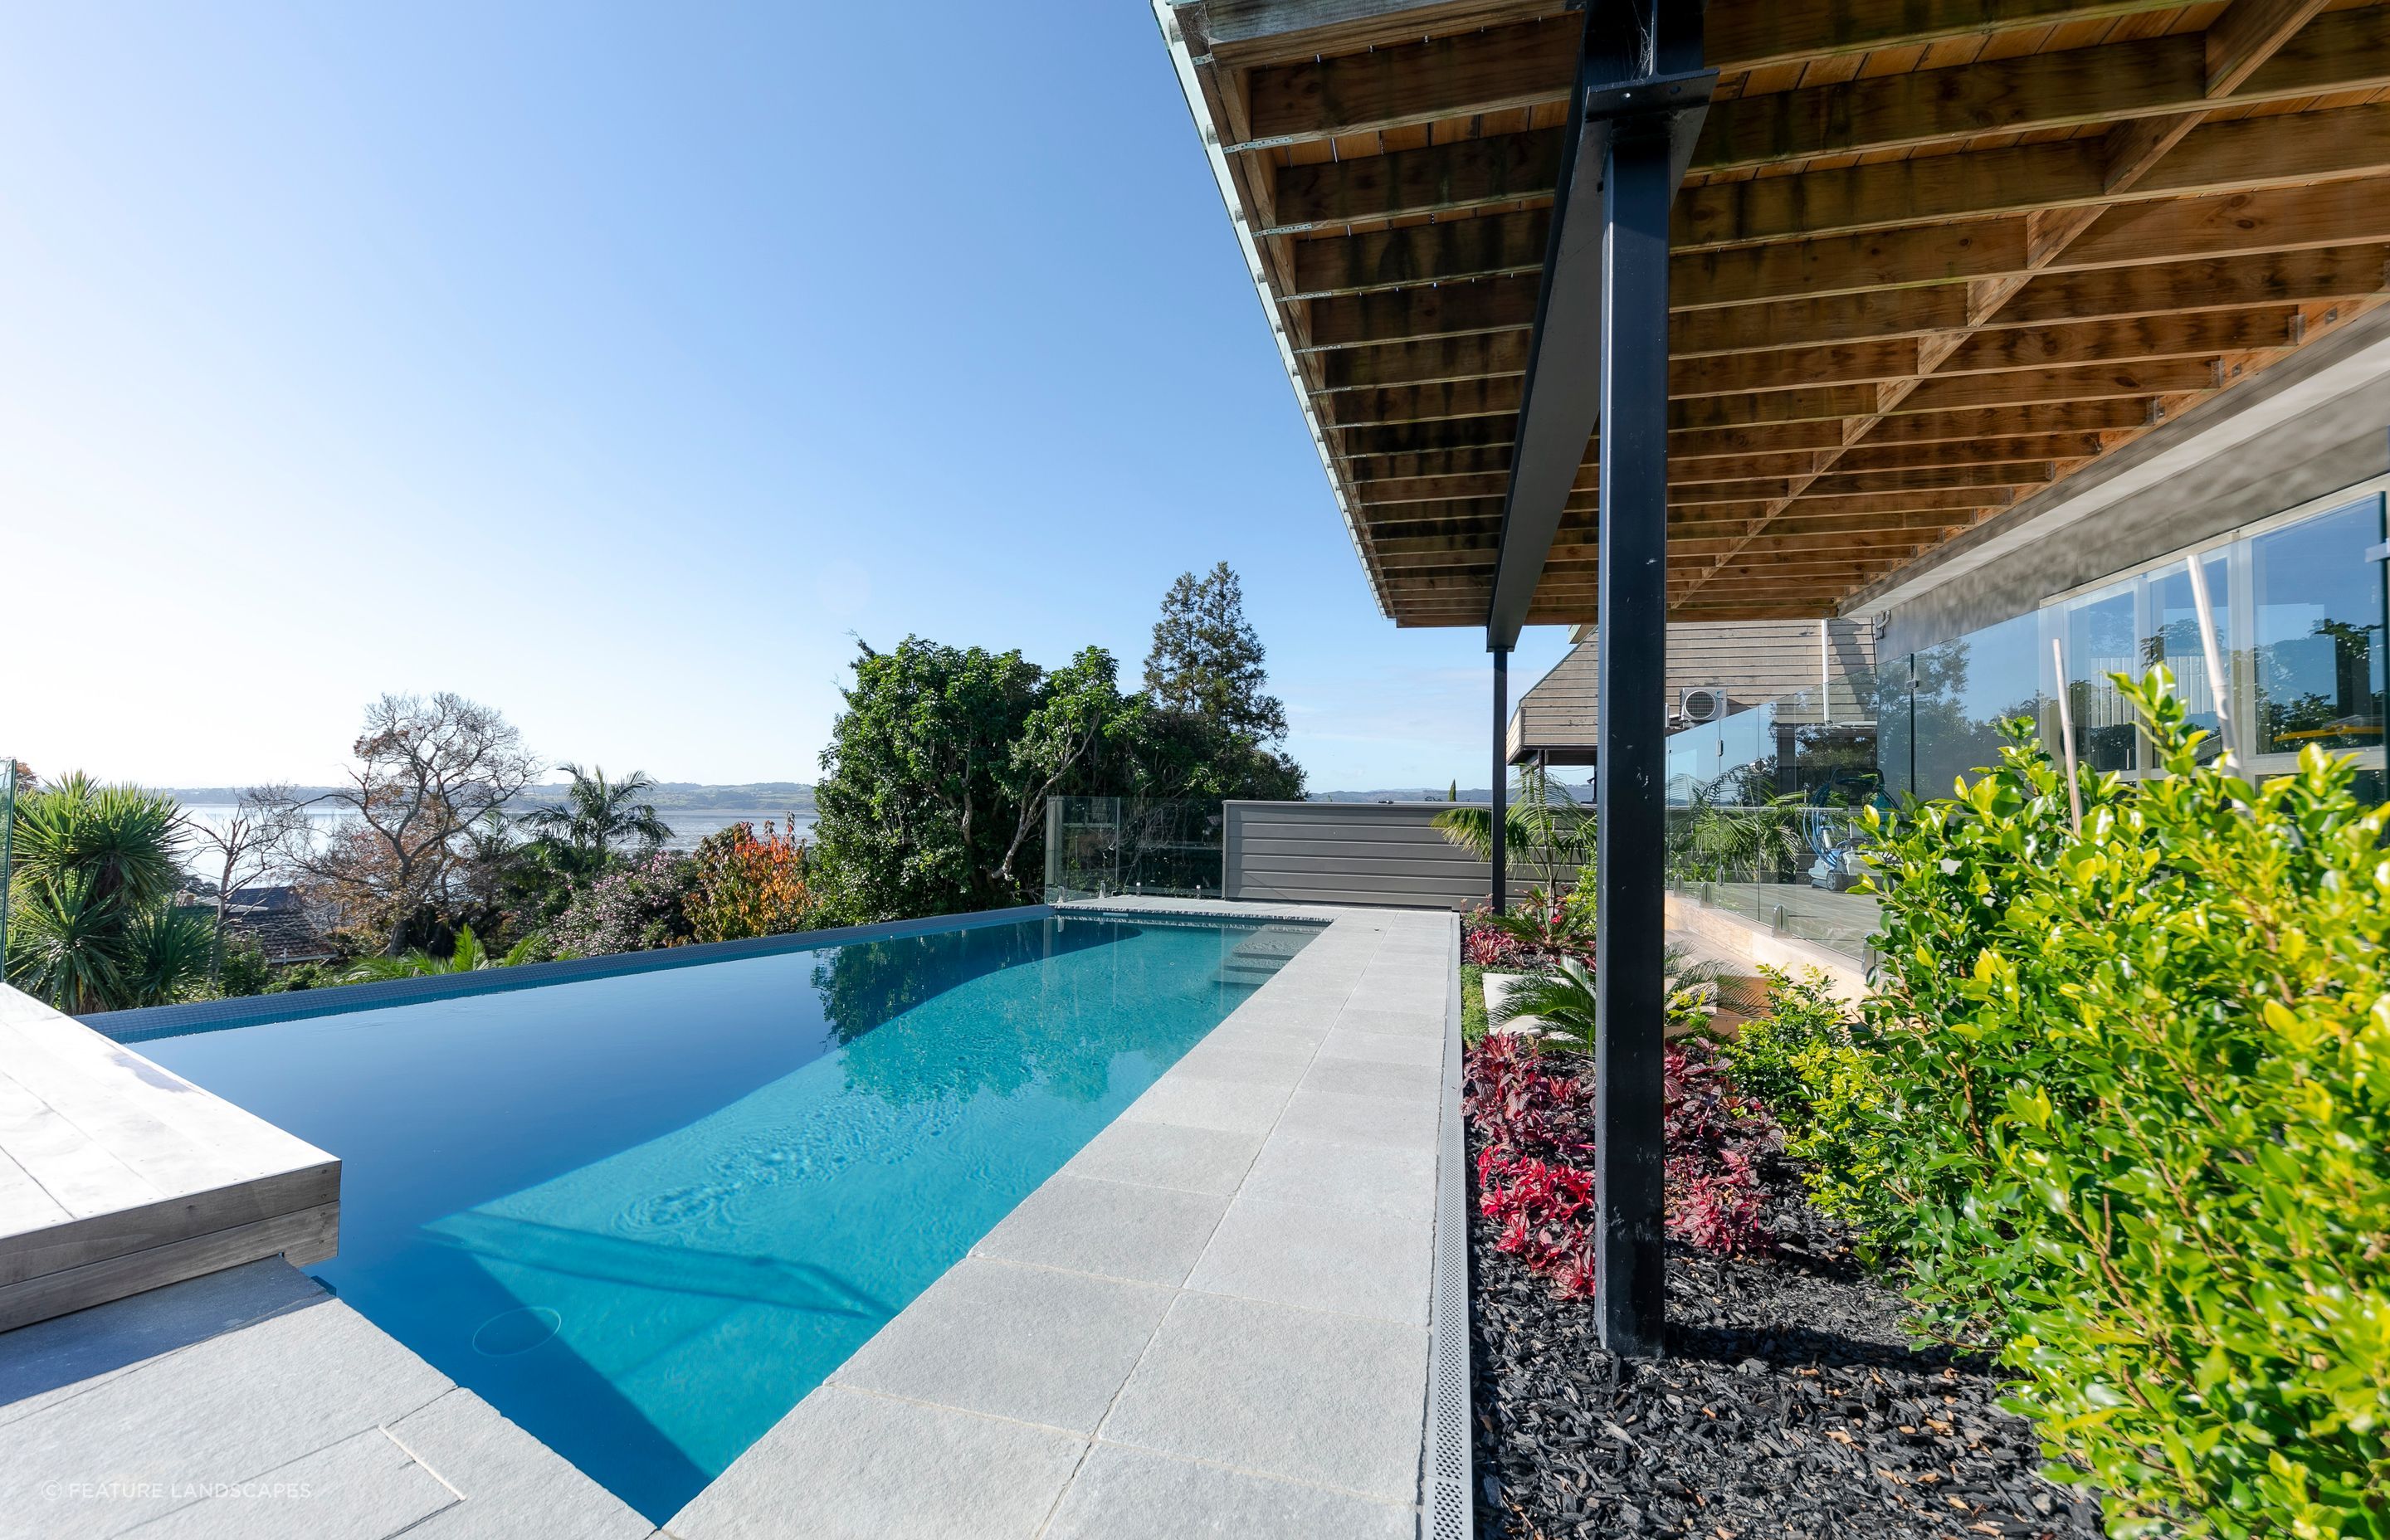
(644, 1214)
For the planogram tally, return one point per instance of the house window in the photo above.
(2317, 641)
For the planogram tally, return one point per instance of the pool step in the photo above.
(1259, 957)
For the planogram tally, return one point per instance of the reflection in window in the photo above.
(2171, 636)
(2101, 641)
(1964, 689)
(2316, 643)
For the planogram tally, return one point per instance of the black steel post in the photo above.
(1637, 186)
(1501, 780)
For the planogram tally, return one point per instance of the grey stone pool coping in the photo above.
(1232, 1312)
(1215, 1319)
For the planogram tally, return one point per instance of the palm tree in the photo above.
(1540, 825)
(598, 814)
(92, 899)
(128, 841)
(1733, 823)
(469, 957)
(1565, 999)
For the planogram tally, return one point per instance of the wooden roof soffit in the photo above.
(1927, 258)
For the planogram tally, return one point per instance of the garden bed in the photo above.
(1790, 1404)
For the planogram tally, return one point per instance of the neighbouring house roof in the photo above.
(1818, 670)
(1932, 258)
(273, 918)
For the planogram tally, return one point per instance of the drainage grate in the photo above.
(1450, 1514)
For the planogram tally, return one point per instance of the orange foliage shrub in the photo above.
(749, 884)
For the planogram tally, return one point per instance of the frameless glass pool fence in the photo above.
(8, 774)
(1110, 847)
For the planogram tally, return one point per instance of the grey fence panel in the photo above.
(1356, 852)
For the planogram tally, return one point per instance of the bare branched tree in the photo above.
(245, 848)
(427, 772)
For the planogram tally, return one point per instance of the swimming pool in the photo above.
(643, 1215)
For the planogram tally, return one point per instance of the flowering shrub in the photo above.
(638, 906)
(749, 885)
(1535, 1178)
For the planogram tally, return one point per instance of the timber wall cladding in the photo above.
(1356, 852)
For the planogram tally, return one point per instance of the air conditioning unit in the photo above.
(1699, 703)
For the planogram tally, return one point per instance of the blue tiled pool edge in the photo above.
(250, 1010)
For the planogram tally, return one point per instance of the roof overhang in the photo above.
(1933, 260)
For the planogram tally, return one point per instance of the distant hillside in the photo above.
(1437, 794)
(765, 798)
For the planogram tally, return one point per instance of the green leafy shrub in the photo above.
(1809, 1064)
(2138, 1121)
(1767, 1054)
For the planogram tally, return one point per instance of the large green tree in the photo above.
(915, 809)
(1207, 660)
(934, 785)
(1213, 730)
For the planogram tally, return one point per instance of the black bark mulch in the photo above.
(1790, 1404)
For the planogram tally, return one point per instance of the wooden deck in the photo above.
(118, 1176)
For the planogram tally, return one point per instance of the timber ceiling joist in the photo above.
(1931, 256)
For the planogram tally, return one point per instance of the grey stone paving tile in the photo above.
(1329, 1399)
(1320, 1256)
(1383, 1048)
(847, 1465)
(69, 1354)
(1244, 1066)
(1394, 1023)
(515, 1487)
(1371, 1179)
(1282, 1039)
(363, 1488)
(1423, 1001)
(1282, 1032)
(1148, 1235)
(1355, 1077)
(1121, 1494)
(1024, 1343)
(1166, 1155)
(1334, 1117)
(1195, 1103)
(222, 1410)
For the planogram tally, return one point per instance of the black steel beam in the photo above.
(1640, 57)
(1501, 780)
(1599, 358)
(1630, 989)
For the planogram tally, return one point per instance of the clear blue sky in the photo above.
(613, 363)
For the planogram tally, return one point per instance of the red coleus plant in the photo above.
(1533, 1112)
